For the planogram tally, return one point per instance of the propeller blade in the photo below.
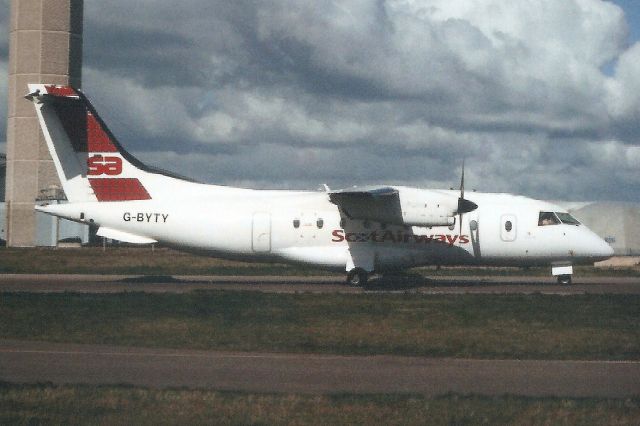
(464, 205)
(462, 181)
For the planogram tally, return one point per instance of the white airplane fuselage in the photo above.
(261, 225)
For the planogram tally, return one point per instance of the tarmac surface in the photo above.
(30, 362)
(52, 283)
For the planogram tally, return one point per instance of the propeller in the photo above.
(464, 205)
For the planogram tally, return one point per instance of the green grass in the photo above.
(479, 326)
(132, 261)
(49, 404)
(163, 261)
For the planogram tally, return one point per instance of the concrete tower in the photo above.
(45, 47)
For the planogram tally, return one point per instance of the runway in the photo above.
(29, 362)
(51, 283)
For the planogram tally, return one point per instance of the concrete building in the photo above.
(3, 174)
(45, 47)
(50, 231)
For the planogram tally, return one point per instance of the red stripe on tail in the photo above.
(118, 189)
(61, 91)
(97, 138)
(83, 129)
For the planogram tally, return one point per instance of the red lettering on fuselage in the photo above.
(338, 235)
(399, 237)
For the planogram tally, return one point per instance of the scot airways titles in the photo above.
(339, 235)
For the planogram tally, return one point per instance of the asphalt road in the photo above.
(50, 283)
(29, 362)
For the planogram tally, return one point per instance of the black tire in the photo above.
(564, 279)
(357, 277)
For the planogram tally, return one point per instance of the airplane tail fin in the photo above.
(91, 164)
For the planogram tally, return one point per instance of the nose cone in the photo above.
(605, 251)
(596, 248)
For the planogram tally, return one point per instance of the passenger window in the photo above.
(296, 223)
(508, 226)
(319, 223)
(547, 218)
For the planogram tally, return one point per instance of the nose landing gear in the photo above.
(564, 279)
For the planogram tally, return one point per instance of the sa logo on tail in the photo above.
(99, 165)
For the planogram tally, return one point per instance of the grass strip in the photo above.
(50, 404)
(132, 261)
(468, 326)
(164, 261)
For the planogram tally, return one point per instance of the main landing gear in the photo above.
(357, 277)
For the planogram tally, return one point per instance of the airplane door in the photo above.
(508, 227)
(261, 233)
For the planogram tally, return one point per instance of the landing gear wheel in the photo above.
(357, 277)
(564, 279)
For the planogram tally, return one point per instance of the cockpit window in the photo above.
(567, 218)
(548, 218)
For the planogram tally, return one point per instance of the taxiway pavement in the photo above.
(30, 362)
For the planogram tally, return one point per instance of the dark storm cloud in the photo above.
(156, 57)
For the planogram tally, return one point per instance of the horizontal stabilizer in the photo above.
(125, 237)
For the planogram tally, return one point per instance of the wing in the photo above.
(398, 205)
(380, 204)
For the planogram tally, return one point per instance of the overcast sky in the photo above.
(541, 97)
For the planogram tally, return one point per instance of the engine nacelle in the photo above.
(427, 208)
